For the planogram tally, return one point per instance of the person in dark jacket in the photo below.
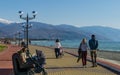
(20, 64)
(93, 44)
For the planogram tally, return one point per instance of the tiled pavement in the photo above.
(63, 66)
(67, 65)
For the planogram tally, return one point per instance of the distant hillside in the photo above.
(48, 31)
(2, 24)
(110, 33)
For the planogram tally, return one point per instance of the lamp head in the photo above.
(31, 25)
(23, 30)
(18, 32)
(23, 26)
(34, 13)
(20, 12)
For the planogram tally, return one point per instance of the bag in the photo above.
(79, 54)
(61, 52)
(80, 47)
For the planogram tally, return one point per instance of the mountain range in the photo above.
(48, 31)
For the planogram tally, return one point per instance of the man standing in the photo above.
(93, 44)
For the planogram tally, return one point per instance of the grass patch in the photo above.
(2, 48)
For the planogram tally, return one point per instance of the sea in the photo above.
(103, 45)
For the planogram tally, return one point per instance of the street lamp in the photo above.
(27, 18)
(24, 30)
(15, 38)
(19, 36)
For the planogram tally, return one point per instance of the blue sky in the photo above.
(72, 12)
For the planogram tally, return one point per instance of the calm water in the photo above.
(103, 45)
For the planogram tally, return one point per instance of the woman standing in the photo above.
(84, 48)
(57, 48)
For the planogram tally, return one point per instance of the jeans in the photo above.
(93, 56)
(57, 52)
(84, 57)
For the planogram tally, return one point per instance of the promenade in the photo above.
(66, 65)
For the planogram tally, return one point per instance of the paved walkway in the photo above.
(6, 59)
(62, 66)
(68, 66)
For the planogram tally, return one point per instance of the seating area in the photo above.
(27, 68)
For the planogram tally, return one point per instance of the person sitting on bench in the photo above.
(20, 65)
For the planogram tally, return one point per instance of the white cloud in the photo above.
(5, 21)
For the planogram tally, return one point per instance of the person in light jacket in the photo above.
(57, 48)
(84, 48)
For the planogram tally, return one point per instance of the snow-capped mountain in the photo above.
(4, 21)
(48, 31)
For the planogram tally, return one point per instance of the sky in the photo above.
(73, 12)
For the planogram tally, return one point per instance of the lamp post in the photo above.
(27, 18)
(15, 38)
(19, 37)
(24, 30)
